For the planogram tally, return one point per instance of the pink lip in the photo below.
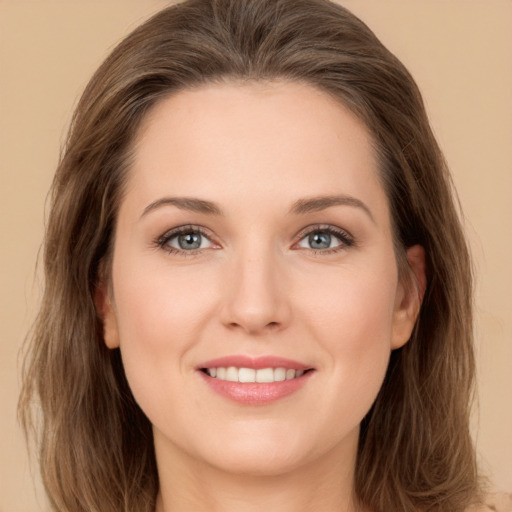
(257, 363)
(254, 393)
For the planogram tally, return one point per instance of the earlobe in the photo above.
(105, 311)
(409, 297)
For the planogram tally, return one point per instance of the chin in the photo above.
(264, 451)
(256, 463)
(270, 451)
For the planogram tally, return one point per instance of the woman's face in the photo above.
(255, 234)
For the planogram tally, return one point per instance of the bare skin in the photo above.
(277, 186)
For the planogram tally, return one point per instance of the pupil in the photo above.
(190, 241)
(320, 240)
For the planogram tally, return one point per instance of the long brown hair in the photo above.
(95, 444)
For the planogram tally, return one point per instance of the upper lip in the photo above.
(257, 363)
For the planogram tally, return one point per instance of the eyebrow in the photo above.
(185, 203)
(300, 207)
(319, 203)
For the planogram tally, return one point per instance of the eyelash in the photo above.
(343, 236)
(163, 241)
(346, 239)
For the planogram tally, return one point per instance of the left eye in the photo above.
(189, 241)
(321, 240)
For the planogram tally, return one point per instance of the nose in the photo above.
(255, 299)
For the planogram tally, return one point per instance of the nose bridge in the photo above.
(256, 301)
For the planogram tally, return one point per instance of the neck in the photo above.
(187, 485)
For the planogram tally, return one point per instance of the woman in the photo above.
(258, 290)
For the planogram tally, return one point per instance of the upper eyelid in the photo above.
(323, 227)
(186, 228)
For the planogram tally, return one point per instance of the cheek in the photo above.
(161, 316)
(352, 320)
(156, 305)
(353, 305)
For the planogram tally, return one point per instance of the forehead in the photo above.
(253, 140)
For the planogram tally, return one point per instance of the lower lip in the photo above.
(254, 393)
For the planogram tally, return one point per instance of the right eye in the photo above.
(183, 240)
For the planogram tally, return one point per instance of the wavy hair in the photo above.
(95, 445)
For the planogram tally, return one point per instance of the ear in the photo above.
(106, 312)
(409, 297)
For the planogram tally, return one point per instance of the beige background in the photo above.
(460, 52)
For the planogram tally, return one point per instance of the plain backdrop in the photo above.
(459, 51)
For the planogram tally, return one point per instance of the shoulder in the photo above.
(495, 502)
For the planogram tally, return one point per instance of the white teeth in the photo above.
(290, 374)
(279, 374)
(232, 374)
(247, 375)
(263, 375)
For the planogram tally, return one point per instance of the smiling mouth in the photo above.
(251, 375)
(255, 381)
